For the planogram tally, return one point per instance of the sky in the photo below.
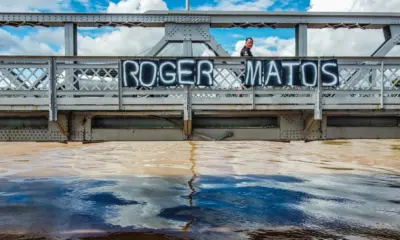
(137, 41)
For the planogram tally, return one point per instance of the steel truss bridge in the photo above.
(81, 98)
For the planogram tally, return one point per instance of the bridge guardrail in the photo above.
(94, 83)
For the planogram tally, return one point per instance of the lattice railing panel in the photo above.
(224, 79)
(355, 79)
(392, 79)
(19, 79)
(228, 78)
(88, 79)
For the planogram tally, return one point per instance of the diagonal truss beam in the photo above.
(392, 38)
(158, 47)
(216, 47)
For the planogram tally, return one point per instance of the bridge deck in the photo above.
(88, 91)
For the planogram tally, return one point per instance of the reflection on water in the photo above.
(200, 190)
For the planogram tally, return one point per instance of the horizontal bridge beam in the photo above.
(89, 126)
(239, 19)
(230, 61)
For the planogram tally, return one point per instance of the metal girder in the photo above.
(80, 129)
(363, 132)
(193, 32)
(222, 19)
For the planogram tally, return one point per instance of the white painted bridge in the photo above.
(81, 98)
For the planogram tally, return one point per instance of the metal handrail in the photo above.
(118, 98)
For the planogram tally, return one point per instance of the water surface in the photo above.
(200, 190)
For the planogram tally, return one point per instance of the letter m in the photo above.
(253, 73)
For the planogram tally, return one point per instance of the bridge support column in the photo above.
(187, 112)
(81, 127)
(314, 129)
(301, 40)
(71, 39)
(300, 126)
(62, 125)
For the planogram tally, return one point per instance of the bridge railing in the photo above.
(94, 83)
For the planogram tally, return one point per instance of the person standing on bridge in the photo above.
(246, 50)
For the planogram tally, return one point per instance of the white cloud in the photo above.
(343, 42)
(122, 42)
(29, 45)
(355, 5)
(50, 36)
(238, 5)
(135, 6)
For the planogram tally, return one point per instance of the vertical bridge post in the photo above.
(52, 90)
(187, 110)
(71, 49)
(71, 39)
(302, 51)
(301, 40)
(187, 5)
(382, 85)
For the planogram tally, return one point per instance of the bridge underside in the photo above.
(91, 126)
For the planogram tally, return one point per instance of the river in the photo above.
(200, 190)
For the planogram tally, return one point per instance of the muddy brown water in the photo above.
(200, 190)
